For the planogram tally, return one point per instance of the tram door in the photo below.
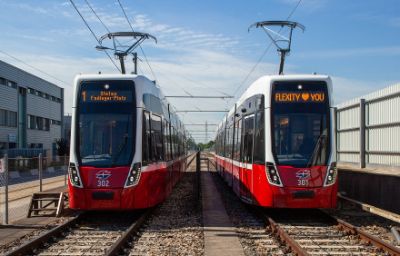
(247, 157)
(236, 157)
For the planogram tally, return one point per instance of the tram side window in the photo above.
(146, 140)
(248, 132)
(238, 139)
(167, 152)
(174, 147)
(259, 140)
(226, 147)
(157, 142)
(179, 144)
(229, 142)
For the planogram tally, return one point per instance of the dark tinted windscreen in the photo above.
(300, 123)
(106, 123)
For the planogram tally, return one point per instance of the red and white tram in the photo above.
(128, 147)
(275, 148)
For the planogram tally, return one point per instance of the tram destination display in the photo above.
(105, 96)
(294, 97)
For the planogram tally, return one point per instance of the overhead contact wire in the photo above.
(265, 51)
(91, 31)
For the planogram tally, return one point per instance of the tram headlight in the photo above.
(272, 175)
(331, 174)
(74, 176)
(134, 175)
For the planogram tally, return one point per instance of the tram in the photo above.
(275, 147)
(128, 147)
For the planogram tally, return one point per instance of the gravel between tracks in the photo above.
(253, 235)
(30, 236)
(176, 225)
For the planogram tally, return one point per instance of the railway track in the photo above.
(316, 233)
(87, 234)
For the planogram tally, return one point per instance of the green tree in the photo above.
(208, 145)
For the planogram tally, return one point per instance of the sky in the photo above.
(205, 48)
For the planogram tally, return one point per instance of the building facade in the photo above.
(31, 111)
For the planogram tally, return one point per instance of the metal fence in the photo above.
(21, 177)
(368, 129)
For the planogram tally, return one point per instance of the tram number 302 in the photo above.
(103, 183)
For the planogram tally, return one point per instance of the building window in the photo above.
(12, 84)
(46, 124)
(8, 118)
(31, 122)
(39, 123)
(12, 119)
(3, 117)
(8, 83)
(31, 91)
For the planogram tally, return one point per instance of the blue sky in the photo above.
(204, 46)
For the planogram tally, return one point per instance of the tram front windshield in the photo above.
(106, 123)
(300, 123)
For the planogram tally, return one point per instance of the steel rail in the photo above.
(341, 225)
(127, 236)
(28, 247)
(392, 250)
(284, 236)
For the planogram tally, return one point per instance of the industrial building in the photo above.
(31, 112)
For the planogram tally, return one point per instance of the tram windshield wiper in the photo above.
(120, 150)
(317, 150)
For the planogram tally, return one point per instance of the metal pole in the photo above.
(335, 133)
(206, 132)
(121, 61)
(40, 171)
(66, 172)
(5, 169)
(135, 62)
(362, 133)
(283, 53)
(198, 175)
